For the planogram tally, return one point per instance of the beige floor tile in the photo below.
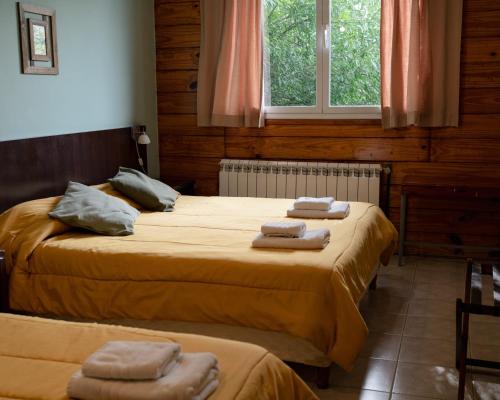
(440, 275)
(427, 351)
(436, 291)
(384, 322)
(397, 396)
(487, 333)
(430, 327)
(405, 273)
(427, 380)
(368, 374)
(431, 308)
(383, 346)
(409, 261)
(484, 351)
(380, 301)
(433, 262)
(395, 286)
(350, 394)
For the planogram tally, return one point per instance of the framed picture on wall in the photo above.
(37, 28)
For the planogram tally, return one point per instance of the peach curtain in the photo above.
(420, 62)
(230, 75)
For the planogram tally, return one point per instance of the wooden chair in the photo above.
(472, 304)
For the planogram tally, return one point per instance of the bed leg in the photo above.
(373, 283)
(323, 377)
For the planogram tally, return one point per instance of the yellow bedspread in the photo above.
(38, 357)
(196, 264)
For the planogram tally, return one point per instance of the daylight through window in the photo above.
(322, 57)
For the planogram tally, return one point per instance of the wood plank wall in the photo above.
(468, 155)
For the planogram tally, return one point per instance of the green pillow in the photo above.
(151, 194)
(89, 208)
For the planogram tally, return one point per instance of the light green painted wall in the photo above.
(106, 75)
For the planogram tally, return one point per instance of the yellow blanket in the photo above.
(38, 356)
(196, 264)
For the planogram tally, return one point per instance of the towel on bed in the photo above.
(193, 378)
(338, 210)
(312, 240)
(313, 203)
(131, 360)
(292, 229)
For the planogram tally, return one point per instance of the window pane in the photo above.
(355, 54)
(291, 50)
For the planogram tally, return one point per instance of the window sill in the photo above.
(323, 116)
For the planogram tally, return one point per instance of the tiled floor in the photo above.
(410, 351)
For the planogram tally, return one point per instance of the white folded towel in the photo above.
(284, 229)
(193, 378)
(338, 210)
(312, 240)
(131, 360)
(313, 203)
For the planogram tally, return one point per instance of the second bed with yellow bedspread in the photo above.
(197, 264)
(38, 357)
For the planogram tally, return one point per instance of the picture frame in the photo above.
(37, 29)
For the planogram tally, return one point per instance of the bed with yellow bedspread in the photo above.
(197, 264)
(38, 357)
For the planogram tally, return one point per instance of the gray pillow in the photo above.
(151, 194)
(89, 208)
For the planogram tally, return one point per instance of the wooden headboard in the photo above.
(41, 167)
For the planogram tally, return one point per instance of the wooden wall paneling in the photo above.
(460, 200)
(365, 129)
(480, 100)
(177, 81)
(446, 174)
(177, 36)
(481, 22)
(466, 150)
(481, 75)
(474, 126)
(192, 146)
(201, 167)
(471, 6)
(177, 59)
(177, 13)
(481, 50)
(307, 148)
(177, 103)
(166, 130)
(456, 239)
(172, 120)
(445, 221)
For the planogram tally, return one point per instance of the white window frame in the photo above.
(323, 109)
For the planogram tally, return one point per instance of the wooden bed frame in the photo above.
(42, 167)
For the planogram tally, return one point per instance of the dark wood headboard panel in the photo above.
(41, 167)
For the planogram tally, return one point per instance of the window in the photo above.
(322, 58)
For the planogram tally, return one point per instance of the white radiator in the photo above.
(291, 179)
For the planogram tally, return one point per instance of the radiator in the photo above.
(291, 179)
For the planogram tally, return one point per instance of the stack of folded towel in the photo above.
(291, 235)
(146, 371)
(319, 207)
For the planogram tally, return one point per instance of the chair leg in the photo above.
(373, 283)
(462, 370)
(323, 377)
(464, 338)
(458, 333)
